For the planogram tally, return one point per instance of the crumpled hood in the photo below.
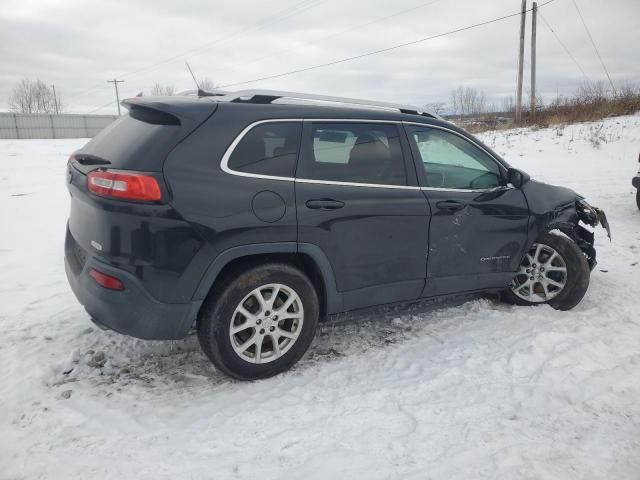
(543, 197)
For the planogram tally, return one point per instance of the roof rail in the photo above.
(269, 96)
(203, 93)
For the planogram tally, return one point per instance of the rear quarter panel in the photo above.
(151, 242)
(218, 205)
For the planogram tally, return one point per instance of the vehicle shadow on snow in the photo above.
(112, 361)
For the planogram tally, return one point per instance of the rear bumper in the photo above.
(132, 311)
(636, 181)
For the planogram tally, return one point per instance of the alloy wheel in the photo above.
(266, 323)
(542, 275)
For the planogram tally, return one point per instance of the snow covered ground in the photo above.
(482, 390)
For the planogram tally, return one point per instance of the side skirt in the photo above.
(423, 305)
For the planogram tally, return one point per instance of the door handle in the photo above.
(324, 204)
(450, 205)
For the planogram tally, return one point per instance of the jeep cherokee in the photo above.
(252, 215)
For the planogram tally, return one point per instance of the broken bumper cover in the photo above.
(592, 216)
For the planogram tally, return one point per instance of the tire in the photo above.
(262, 322)
(561, 289)
(638, 199)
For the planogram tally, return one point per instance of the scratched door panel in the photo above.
(485, 236)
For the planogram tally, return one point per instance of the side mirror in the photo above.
(517, 178)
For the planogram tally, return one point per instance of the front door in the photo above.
(479, 224)
(358, 200)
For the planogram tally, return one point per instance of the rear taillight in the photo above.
(124, 185)
(106, 281)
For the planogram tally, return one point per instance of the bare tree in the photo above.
(468, 101)
(435, 107)
(34, 96)
(480, 105)
(508, 104)
(539, 102)
(159, 90)
(457, 100)
(589, 92)
(206, 84)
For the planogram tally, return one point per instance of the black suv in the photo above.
(253, 215)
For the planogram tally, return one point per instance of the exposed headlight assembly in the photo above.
(593, 216)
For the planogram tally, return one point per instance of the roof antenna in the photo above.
(201, 93)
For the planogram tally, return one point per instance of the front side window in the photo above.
(268, 149)
(354, 152)
(450, 161)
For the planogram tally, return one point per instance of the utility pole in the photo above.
(115, 84)
(55, 99)
(523, 17)
(534, 12)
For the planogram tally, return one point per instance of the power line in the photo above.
(331, 35)
(276, 16)
(594, 46)
(566, 49)
(99, 108)
(301, 7)
(340, 32)
(115, 84)
(382, 50)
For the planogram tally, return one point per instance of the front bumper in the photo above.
(636, 181)
(132, 311)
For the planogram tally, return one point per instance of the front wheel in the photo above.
(554, 271)
(261, 323)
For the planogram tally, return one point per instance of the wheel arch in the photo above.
(566, 219)
(307, 257)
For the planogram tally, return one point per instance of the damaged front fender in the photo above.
(559, 208)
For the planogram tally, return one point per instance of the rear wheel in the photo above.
(554, 271)
(638, 198)
(261, 323)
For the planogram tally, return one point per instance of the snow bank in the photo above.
(482, 390)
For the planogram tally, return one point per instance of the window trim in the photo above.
(224, 163)
(418, 161)
(405, 152)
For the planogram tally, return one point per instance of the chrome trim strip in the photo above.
(224, 163)
(438, 127)
(473, 190)
(227, 154)
(355, 184)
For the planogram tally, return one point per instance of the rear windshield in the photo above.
(131, 144)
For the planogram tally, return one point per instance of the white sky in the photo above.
(78, 45)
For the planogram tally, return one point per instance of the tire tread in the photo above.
(212, 322)
(578, 272)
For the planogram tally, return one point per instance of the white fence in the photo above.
(28, 125)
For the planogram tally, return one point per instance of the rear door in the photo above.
(358, 200)
(479, 224)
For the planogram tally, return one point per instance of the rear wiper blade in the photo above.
(91, 160)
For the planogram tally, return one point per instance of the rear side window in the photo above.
(132, 144)
(268, 149)
(354, 152)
